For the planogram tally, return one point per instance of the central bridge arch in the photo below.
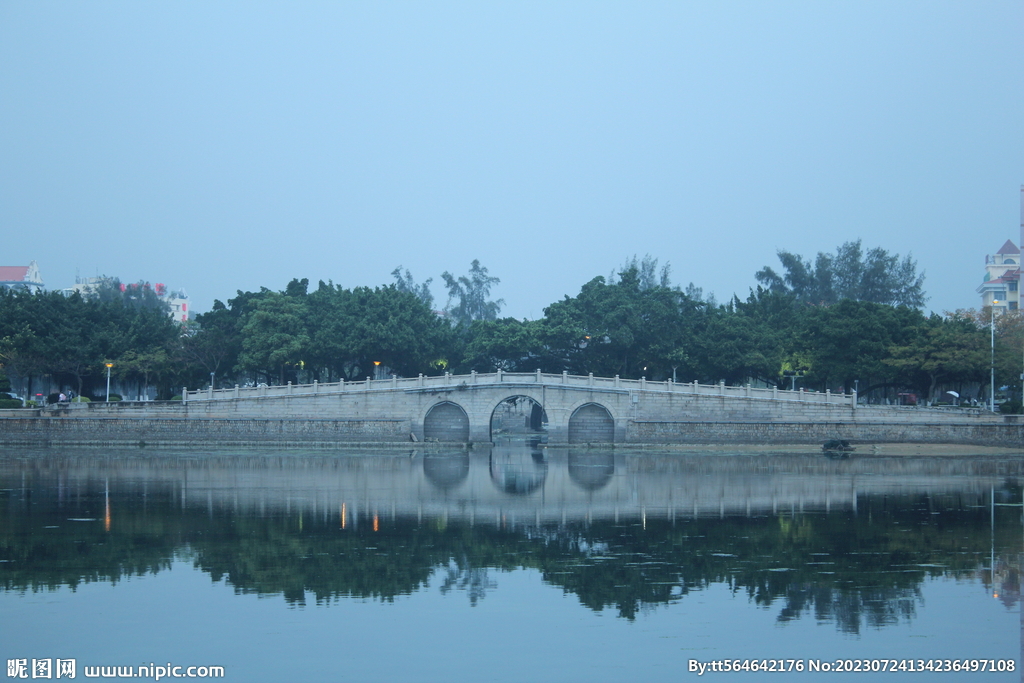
(518, 415)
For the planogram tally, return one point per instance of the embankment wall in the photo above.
(389, 417)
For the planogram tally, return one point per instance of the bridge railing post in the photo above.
(538, 376)
(499, 374)
(184, 394)
(590, 379)
(421, 379)
(775, 392)
(236, 391)
(853, 399)
(472, 374)
(565, 376)
(643, 383)
(617, 383)
(746, 391)
(316, 386)
(721, 387)
(394, 381)
(828, 395)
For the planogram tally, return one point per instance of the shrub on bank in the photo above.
(1010, 407)
(81, 399)
(10, 403)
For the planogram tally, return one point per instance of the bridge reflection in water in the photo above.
(525, 482)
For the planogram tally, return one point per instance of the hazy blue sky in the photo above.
(224, 146)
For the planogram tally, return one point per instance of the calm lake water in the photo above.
(510, 564)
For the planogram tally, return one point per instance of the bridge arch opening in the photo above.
(518, 417)
(446, 421)
(591, 423)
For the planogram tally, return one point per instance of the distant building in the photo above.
(22, 277)
(1002, 272)
(176, 300)
(1002, 278)
(86, 286)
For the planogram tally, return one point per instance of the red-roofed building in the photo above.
(1001, 287)
(22, 277)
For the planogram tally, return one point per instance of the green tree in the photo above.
(406, 283)
(622, 328)
(274, 336)
(394, 327)
(147, 365)
(468, 296)
(509, 344)
(876, 277)
(850, 340)
(211, 342)
(942, 349)
(647, 272)
(135, 295)
(736, 347)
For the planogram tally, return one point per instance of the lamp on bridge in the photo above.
(376, 369)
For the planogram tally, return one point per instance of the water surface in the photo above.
(511, 564)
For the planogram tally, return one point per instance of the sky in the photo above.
(223, 146)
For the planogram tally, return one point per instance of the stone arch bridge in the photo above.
(578, 409)
(573, 409)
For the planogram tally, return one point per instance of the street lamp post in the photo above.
(376, 369)
(109, 365)
(992, 378)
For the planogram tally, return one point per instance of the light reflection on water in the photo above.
(455, 559)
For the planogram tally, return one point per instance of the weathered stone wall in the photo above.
(992, 434)
(164, 431)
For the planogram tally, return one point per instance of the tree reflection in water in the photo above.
(855, 566)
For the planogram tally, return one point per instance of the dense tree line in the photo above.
(866, 332)
(71, 338)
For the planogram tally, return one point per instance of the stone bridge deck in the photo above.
(475, 380)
